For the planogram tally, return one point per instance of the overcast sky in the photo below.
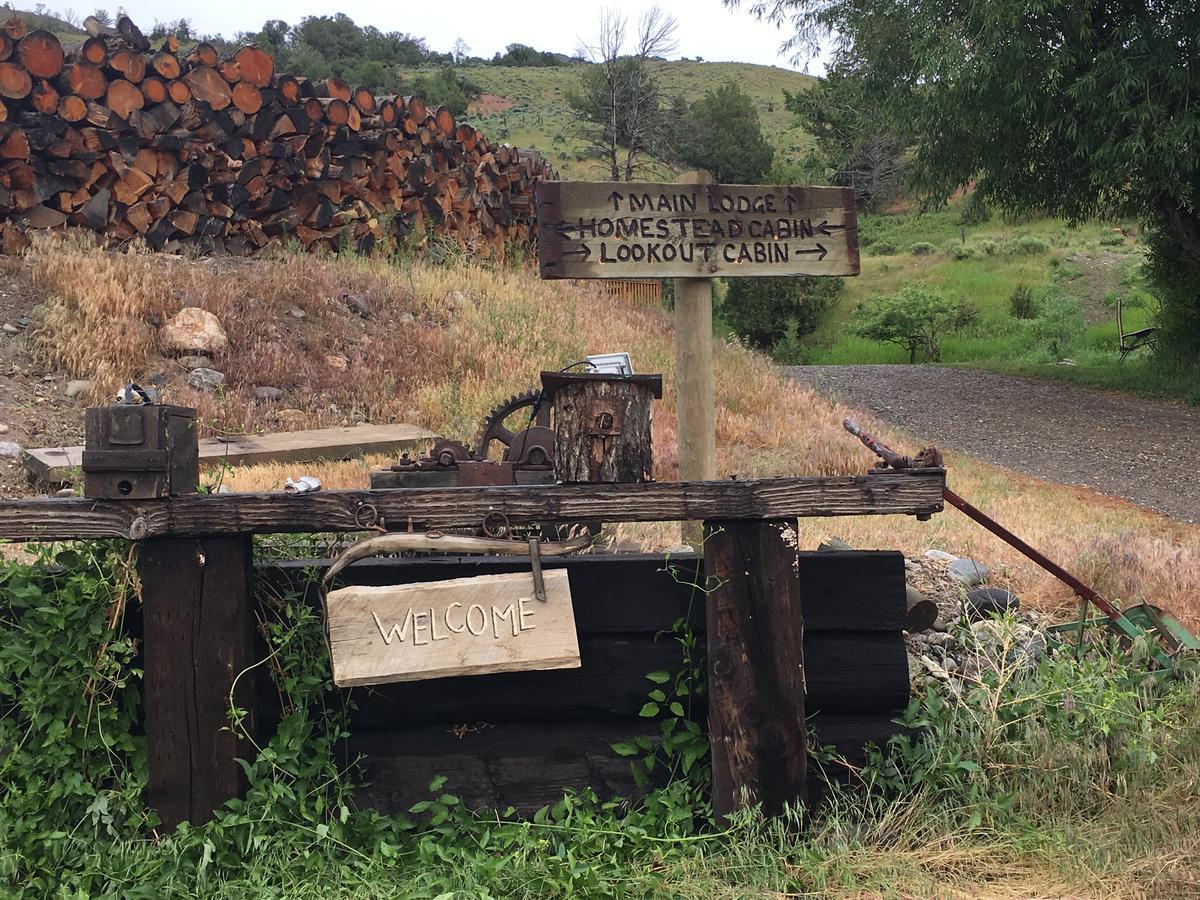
(706, 27)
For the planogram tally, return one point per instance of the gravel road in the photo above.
(1142, 450)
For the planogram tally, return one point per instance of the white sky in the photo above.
(706, 27)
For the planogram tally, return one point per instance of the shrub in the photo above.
(922, 248)
(916, 318)
(987, 247)
(883, 248)
(964, 251)
(1116, 239)
(975, 210)
(1025, 245)
(1021, 304)
(766, 311)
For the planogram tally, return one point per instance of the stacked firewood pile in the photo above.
(226, 155)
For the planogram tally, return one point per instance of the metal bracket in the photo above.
(535, 561)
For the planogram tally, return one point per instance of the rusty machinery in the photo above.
(520, 426)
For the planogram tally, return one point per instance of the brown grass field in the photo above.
(445, 343)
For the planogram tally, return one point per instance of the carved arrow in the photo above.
(616, 199)
(563, 228)
(820, 248)
(584, 250)
(824, 228)
(791, 202)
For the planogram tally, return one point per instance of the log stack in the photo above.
(189, 150)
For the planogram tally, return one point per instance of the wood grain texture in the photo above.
(464, 626)
(756, 666)
(54, 465)
(645, 230)
(906, 493)
(602, 432)
(200, 637)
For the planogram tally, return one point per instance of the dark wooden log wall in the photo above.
(519, 739)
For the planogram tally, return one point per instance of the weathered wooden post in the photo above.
(201, 638)
(755, 665)
(602, 426)
(694, 403)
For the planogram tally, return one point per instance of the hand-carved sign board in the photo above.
(613, 230)
(464, 626)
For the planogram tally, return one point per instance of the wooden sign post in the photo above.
(694, 231)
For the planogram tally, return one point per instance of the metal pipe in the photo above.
(1049, 565)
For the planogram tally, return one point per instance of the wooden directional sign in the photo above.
(464, 626)
(614, 230)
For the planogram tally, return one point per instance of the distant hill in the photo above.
(46, 21)
(528, 106)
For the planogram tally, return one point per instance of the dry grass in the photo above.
(445, 344)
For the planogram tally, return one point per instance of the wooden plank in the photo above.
(611, 594)
(644, 230)
(884, 493)
(464, 626)
(846, 672)
(496, 766)
(200, 639)
(54, 465)
(853, 590)
(756, 666)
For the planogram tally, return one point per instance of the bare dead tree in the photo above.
(619, 105)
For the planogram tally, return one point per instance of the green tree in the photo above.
(766, 311)
(1076, 109)
(854, 138)
(619, 108)
(916, 318)
(721, 133)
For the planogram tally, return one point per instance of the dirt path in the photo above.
(1142, 450)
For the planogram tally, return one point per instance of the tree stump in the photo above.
(602, 426)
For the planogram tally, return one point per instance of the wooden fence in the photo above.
(201, 645)
(646, 293)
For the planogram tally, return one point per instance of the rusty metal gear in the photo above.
(527, 438)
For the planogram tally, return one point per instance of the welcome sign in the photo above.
(464, 626)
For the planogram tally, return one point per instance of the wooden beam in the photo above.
(886, 493)
(54, 465)
(755, 666)
(694, 393)
(201, 643)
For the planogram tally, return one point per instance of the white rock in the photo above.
(969, 571)
(75, 388)
(940, 554)
(9, 449)
(4, 429)
(193, 330)
(10, 328)
(206, 379)
(336, 362)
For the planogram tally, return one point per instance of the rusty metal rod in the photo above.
(1046, 563)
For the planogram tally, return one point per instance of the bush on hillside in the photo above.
(766, 311)
(922, 248)
(1025, 245)
(1021, 304)
(883, 248)
(975, 210)
(916, 318)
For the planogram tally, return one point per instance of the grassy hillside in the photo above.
(540, 117)
(1075, 273)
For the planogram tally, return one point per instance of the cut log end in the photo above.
(41, 54)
